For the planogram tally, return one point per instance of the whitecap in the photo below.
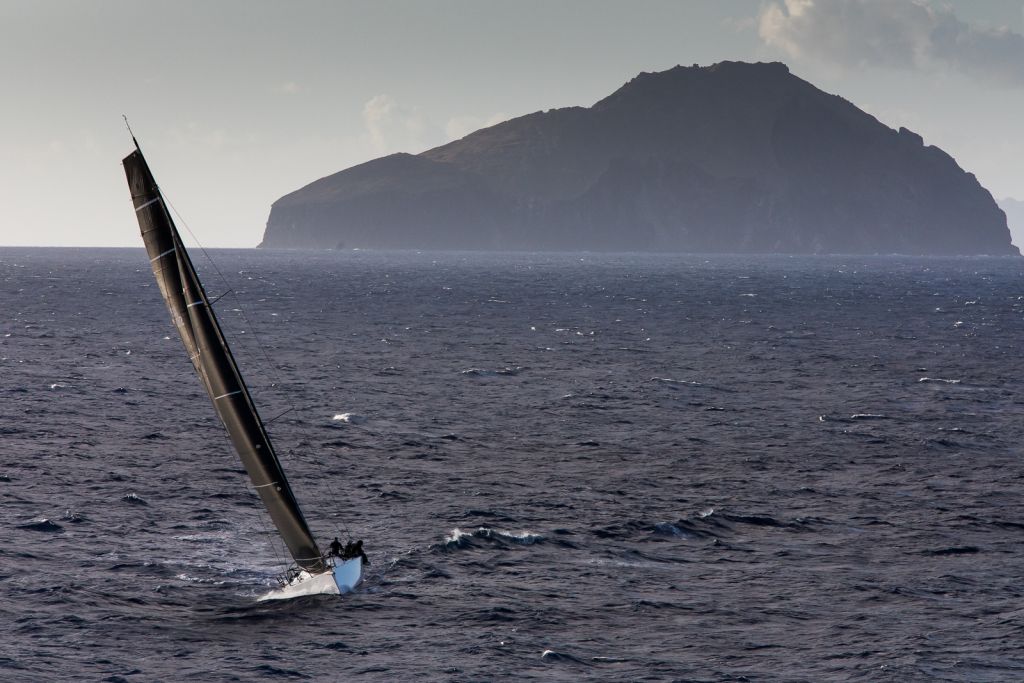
(939, 379)
(458, 536)
(196, 579)
(204, 537)
(868, 416)
(522, 537)
(42, 524)
(480, 372)
(685, 382)
(350, 418)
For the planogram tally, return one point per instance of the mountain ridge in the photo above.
(733, 157)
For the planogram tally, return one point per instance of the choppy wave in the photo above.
(459, 539)
(679, 382)
(350, 418)
(567, 489)
(479, 372)
(42, 524)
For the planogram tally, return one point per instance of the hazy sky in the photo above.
(237, 102)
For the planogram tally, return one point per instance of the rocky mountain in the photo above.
(733, 157)
(1014, 209)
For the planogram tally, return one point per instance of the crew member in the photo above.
(357, 551)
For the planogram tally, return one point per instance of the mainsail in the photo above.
(193, 315)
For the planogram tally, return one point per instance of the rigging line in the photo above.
(323, 480)
(271, 367)
(230, 291)
(279, 415)
(130, 131)
(342, 529)
(275, 545)
(275, 376)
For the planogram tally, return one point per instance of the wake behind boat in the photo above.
(314, 572)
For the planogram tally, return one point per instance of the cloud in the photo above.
(393, 127)
(902, 34)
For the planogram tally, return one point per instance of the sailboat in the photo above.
(193, 315)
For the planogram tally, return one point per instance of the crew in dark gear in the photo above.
(357, 551)
(353, 550)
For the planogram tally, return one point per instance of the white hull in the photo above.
(343, 578)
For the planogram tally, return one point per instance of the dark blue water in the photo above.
(608, 468)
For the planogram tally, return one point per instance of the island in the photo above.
(730, 158)
(1014, 209)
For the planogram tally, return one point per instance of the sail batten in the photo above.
(211, 357)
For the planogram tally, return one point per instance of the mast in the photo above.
(211, 357)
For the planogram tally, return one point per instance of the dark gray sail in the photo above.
(208, 350)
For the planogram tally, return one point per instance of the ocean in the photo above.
(585, 467)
